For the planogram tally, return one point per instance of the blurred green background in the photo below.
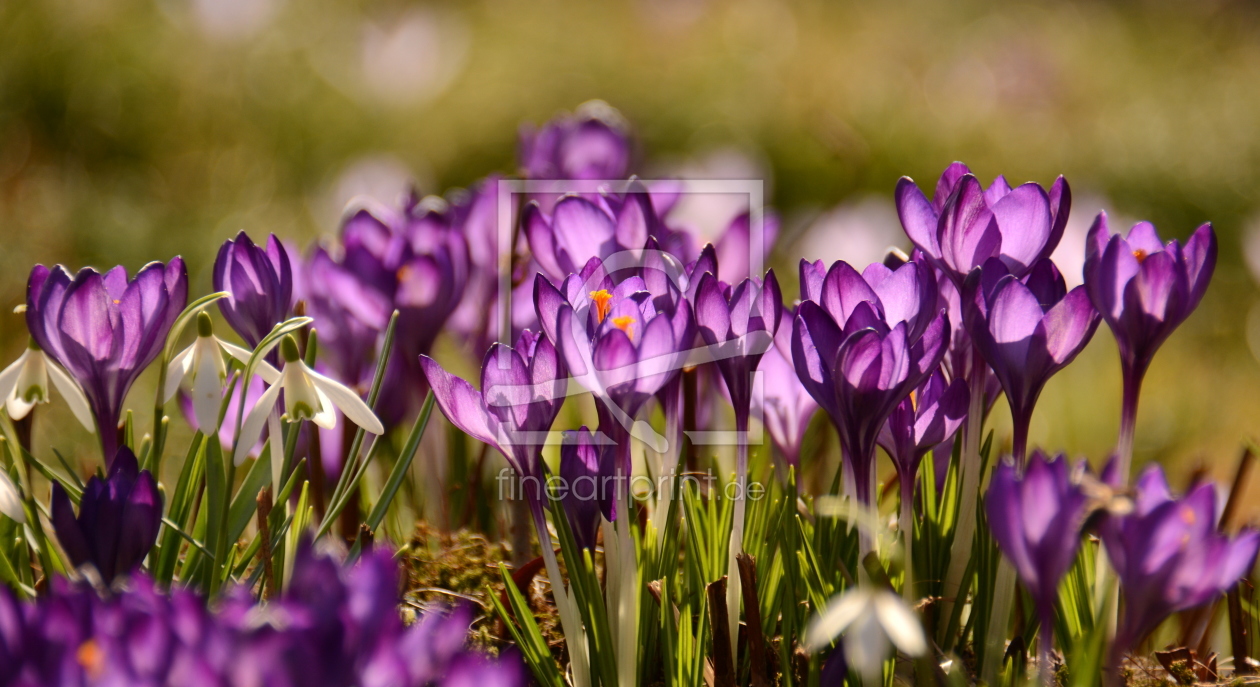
(134, 130)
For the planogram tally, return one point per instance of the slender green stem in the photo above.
(964, 532)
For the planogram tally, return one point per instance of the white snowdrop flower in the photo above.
(308, 395)
(202, 365)
(873, 620)
(25, 383)
(10, 499)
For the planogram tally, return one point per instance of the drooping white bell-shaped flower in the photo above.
(10, 499)
(25, 383)
(873, 620)
(202, 365)
(308, 395)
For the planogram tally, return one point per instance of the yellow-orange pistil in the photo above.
(603, 303)
(623, 323)
(1140, 255)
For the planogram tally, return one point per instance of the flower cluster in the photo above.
(334, 626)
(612, 294)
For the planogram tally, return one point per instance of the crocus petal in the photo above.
(347, 401)
(1023, 217)
(713, 315)
(968, 233)
(141, 519)
(67, 527)
(1200, 259)
(582, 231)
(844, 290)
(251, 429)
(1069, 325)
(917, 216)
(812, 275)
(462, 405)
(547, 303)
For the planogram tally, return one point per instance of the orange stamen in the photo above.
(914, 399)
(404, 272)
(91, 657)
(1139, 254)
(603, 303)
(623, 323)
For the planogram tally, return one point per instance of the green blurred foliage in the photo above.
(133, 130)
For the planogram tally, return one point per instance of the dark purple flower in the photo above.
(592, 143)
(926, 418)
(1037, 520)
(105, 329)
(522, 390)
(118, 518)
(862, 346)
(1027, 331)
(965, 225)
(333, 626)
(1170, 555)
(581, 459)
(1144, 289)
(739, 325)
(785, 406)
(259, 283)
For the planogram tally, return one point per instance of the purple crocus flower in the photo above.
(347, 334)
(925, 419)
(862, 346)
(118, 518)
(739, 325)
(785, 406)
(592, 143)
(615, 342)
(522, 389)
(104, 329)
(733, 249)
(476, 216)
(965, 225)
(1144, 289)
(580, 470)
(1170, 555)
(411, 259)
(1027, 331)
(259, 283)
(1037, 520)
(580, 228)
